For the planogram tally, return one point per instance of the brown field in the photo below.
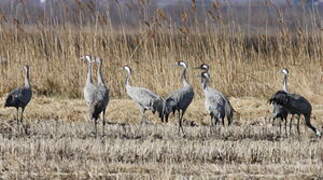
(244, 66)
(60, 144)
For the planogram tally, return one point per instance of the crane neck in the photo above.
(205, 83)
(127, 79)
(26, 77)
(99, 73)
(184, 78)
(89, 78)
(285, 81)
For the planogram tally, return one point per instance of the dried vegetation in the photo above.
(244, 65)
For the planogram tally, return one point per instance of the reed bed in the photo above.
(242, 63)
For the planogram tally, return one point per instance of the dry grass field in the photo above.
(61, 145)
(244, 66)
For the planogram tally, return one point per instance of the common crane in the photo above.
(102, 100)
(144, 98)
(278, 110)
(215, 100)
(89, 88)
(96, 96)
(180, 99)
(295, 104)
(20, 97)
(228, 109)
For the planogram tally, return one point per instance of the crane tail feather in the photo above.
(9, 101)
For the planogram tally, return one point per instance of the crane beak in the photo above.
(196, 68)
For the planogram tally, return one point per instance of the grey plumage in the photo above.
(96, 96)
(89, 88)
(217, 101)
(144, 98)
(279, 112)
(295, 104)
(20, 97)
(180, 99)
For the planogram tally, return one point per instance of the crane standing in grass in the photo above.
(96, 96)
(102, 96)
(20, 97)
(144, 98)
(180, 99)
(216, 103)
(278, 110)
(295, 104)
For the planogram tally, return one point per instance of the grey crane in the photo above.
(295, 104)
(218, 101)
(102, 97)
(180, 99)
(227, 105)
(278, 110)
(144, 98)
(20, 97)
(96, 96)
(89, 88)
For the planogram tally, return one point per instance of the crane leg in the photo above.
(103, 122)
(142, 111)
(308, 124)
(21, 121)
(180, 121)
(285, 119)
(290, 124)
(212, 124)
(298, 130)
(17, 119)
(216, 120)
(95, 127)
(223, 122)
(166, 117)
(280, 126)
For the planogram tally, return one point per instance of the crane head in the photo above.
(203, 66)
(285, 71)
(205, 75)
(88, 58)
(127, 68)
(182, 64)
